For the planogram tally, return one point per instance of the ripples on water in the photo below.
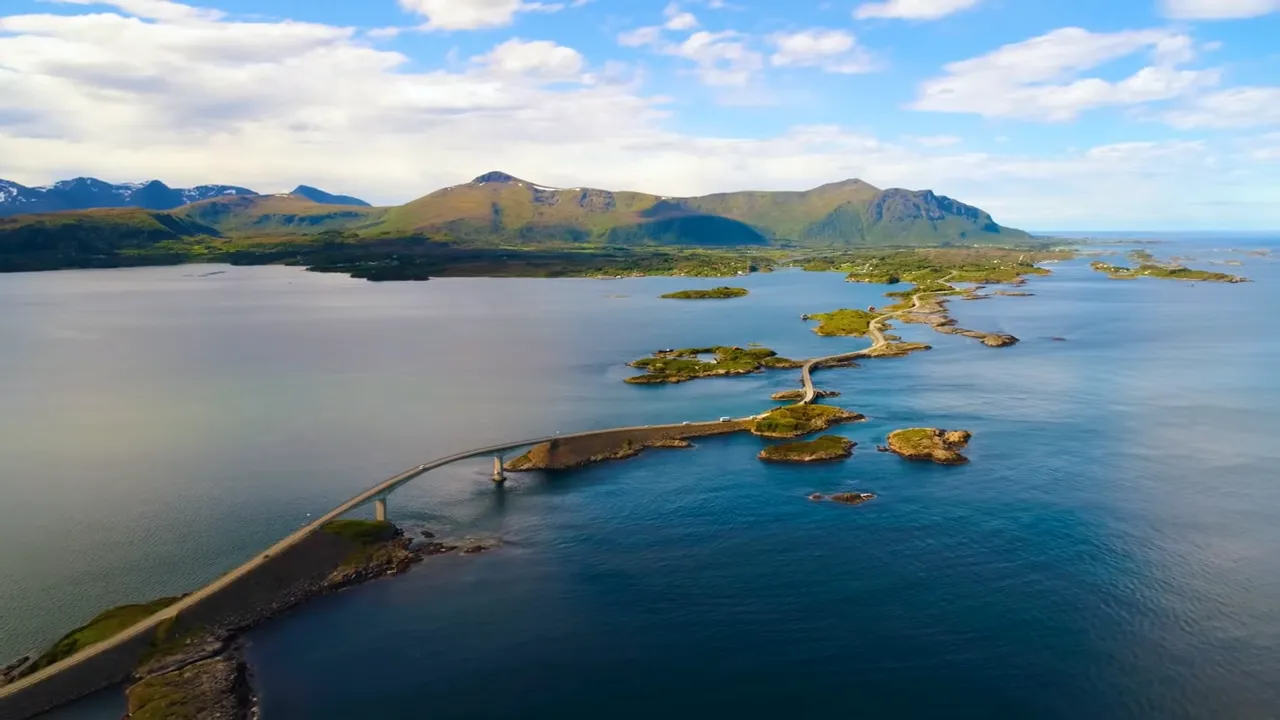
(1109, 552)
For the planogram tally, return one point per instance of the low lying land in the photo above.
(844, 498)
(676, 366)
(718, 293)
(1166, 271)
(940, 446)
(794, 421)
(827, 447)
(844, 322)
(574, 452)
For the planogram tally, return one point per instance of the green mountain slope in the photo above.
(94, 238)
(497, 207)
(268, 214)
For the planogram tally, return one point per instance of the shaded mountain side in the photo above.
(96, 238)
(324, 198)
(268, 214)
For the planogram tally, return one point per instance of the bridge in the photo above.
(12, 702)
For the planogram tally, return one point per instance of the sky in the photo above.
(1050, 114)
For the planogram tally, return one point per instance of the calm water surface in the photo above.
(1109, 552)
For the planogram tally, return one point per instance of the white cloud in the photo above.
(469, 14)
(641, 36)
(1232, 108)
(537, 59)
(1218, 9)
(935, 141)
(835, 51)
(722, 58)
(269, 105)
(913, 9)
(678, 19)
(1037, 79)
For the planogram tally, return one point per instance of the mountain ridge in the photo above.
(87, 193)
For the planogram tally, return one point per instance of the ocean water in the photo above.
(1110, 550)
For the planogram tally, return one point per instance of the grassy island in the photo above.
(1169, 272)
(675, 366)
(794, 421)
(718, 293)
(940, 446)
(979, 265)
(827, 447)
(844, 322)
(799, 394)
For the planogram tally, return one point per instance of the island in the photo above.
(939, 446)
(844, 498)
(792, 421)
(677, 366)
(846, 322)
(1168, 271)
(717, 293)
(827, 447)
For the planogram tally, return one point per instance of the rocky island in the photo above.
(793, 395)
(940, 446)
(844, 322)
(1167, 271)
(717, 293)
(677, 366)
(827, 447)
(792, 421)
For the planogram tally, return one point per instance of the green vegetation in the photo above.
(100, 628)
(1170, 272)
(798, 420)
(212, 688)
(940, 446)
(844, 322)
(674, 366)
(723, 292)
(827, 447)
(362, 532)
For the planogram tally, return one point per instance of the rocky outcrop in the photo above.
(566, 453)
(897, 349)
(13, 670)
(852, 498)
(933, 444)
(793, 421)
(208, 687)
(799, 394)
(999, 340)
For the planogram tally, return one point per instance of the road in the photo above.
(297, 536)
(876, 332)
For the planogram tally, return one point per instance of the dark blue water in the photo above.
(1110, 551)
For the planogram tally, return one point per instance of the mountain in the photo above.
(324, 198)
(89, 193)
(500, 207)
(268, 214)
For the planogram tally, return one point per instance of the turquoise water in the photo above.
(1109, 551)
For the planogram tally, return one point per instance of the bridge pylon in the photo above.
(380, 509)
(499, 474)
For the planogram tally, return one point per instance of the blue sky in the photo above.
(1090, 114)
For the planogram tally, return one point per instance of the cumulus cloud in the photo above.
(1218, 9)
(269, 105)
(467, 14)
(677, 19)
(912, 9)
(835, 51)
(1037, 79)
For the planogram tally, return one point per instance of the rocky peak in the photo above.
(496, 176)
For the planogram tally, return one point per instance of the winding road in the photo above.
(385, 487)
(876, 332)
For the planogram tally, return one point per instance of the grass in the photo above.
(362, 532)
(916, 440)
(723, 292)
(844, 322)
(102, 627)
(1169, 272)
(827, 447)
(797, 420)
(682, 365)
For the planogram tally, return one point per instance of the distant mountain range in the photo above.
(152, 223)
(91, 193)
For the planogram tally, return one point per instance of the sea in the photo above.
(1111, 551)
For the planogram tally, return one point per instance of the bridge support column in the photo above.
(499, 475)
(380, 509)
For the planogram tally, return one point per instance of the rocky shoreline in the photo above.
(933, 444)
